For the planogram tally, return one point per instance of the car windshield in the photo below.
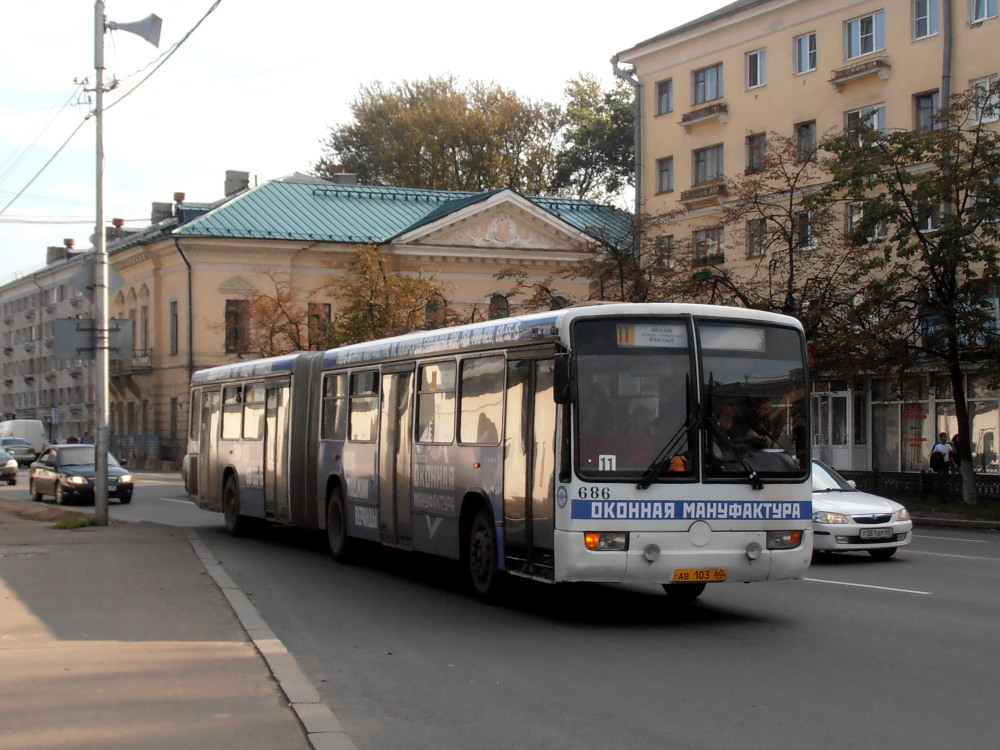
(825, 479)
(81, 455)
(14, 442)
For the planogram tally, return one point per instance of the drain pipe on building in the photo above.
(190, 306)
(632, 80)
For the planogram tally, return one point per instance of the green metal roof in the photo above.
(300, 207)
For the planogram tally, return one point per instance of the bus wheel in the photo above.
(683, 592)
(342, 547)
(236, 524)
(481, 557)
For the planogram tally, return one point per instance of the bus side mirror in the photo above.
(561, 379)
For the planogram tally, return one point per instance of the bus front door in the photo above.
(275, 461)
(529, 467)
(395, 523)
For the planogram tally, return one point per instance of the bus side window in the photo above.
(481, 400)
(436, 403)
(334, 423)
(232, 411)
(253, 412)
(194, 417)
(364, 406)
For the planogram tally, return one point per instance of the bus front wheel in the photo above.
(481, 557)
(236, 524)
(342, 547)
(683, 592)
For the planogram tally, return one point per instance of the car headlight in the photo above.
(125, 479)
(825, 516)
(902, 515)
(12, 464)
(76, 480)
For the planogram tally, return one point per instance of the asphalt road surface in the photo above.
(902, 653)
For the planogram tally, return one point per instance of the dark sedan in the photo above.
(67, 473)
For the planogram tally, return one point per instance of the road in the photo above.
(902, 653)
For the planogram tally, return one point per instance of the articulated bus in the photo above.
(657, 443)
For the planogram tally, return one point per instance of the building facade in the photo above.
(186, 280)
(712, 90)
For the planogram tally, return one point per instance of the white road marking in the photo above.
(954, 539)
(957, 557)
(867, 586)
(175, 500)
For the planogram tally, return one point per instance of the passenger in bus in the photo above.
(486, 431)
(765, 426)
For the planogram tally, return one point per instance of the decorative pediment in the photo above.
(501, 228)
(237, 284)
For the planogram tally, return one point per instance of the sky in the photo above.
(251, 86)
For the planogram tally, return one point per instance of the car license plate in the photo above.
(876, 533)
(699, 575)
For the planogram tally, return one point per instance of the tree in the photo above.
(596, 158)
(376, 302)
(927, 209)
(434, 135)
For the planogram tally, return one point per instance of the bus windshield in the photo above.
(643, 412)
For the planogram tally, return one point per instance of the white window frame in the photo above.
(926, 19)
(856, 214)
(707, 164)
(805, 53)
(875, 115)
(932, 121)
(992, 108)
(756, 147)
(756, 232)
(707, 243)
(805, 237)
(665, 174)
(982, 10)
(756, 67)
(706, 84)
(665, 96)
(808, 127)
(864, 35)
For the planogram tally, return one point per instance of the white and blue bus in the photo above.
(658, 443)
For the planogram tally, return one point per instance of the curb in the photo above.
(955, 523)
(323, 730)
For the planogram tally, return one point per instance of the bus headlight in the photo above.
(606, 541)
(784, 539)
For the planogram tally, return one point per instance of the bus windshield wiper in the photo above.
(725, 442)
(667, 451)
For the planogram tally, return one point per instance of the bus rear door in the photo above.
(395, 458)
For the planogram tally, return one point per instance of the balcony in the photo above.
(140, 364)
(716, 111)
(709, 193)
(872, 66)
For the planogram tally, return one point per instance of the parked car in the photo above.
(19, 448)
(848, 520)
(67, 473)
(8, 468)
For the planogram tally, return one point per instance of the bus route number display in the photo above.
(657, 335)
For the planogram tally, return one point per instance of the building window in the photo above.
(930, 221)
(804, 239)
(665, 253)
(174, 328)
(237, 325)
(318, 321)
(499, 306)
(925, 18)
(856, 215)
(435, 312)
(756, 68)
(866, 117)
(983, 9)
(756, 232)
(805, 141)
(756, 152)
(985, 105)
(665, 96)
(707, 245)
(665, 175)
(864, 35)
(708, 165)
(706, 84)
(925, 111)
(805, 53)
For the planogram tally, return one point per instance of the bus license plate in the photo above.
(699, 575)
(875, 533)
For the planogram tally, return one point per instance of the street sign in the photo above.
(83, 279)
(73, 338)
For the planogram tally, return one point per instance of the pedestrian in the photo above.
(956, 460)
(941, 454)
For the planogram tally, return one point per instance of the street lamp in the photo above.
(148, 29)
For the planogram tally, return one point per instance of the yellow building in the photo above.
(187, 278)
(710, 90)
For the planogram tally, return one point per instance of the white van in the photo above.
(31, 430)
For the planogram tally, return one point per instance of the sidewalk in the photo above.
(118, 637)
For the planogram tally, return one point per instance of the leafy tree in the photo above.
(596, 159)
(376, 302)
(927, 204)
(435, 135)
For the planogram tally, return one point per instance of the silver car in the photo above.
(19, 448)
(848, 520)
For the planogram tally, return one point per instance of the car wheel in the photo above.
(480, 557)
(12, 481)
(60, 500)
(683, 593)
(882, 554)
(36, 496)
(236, 524)
(342, 547)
